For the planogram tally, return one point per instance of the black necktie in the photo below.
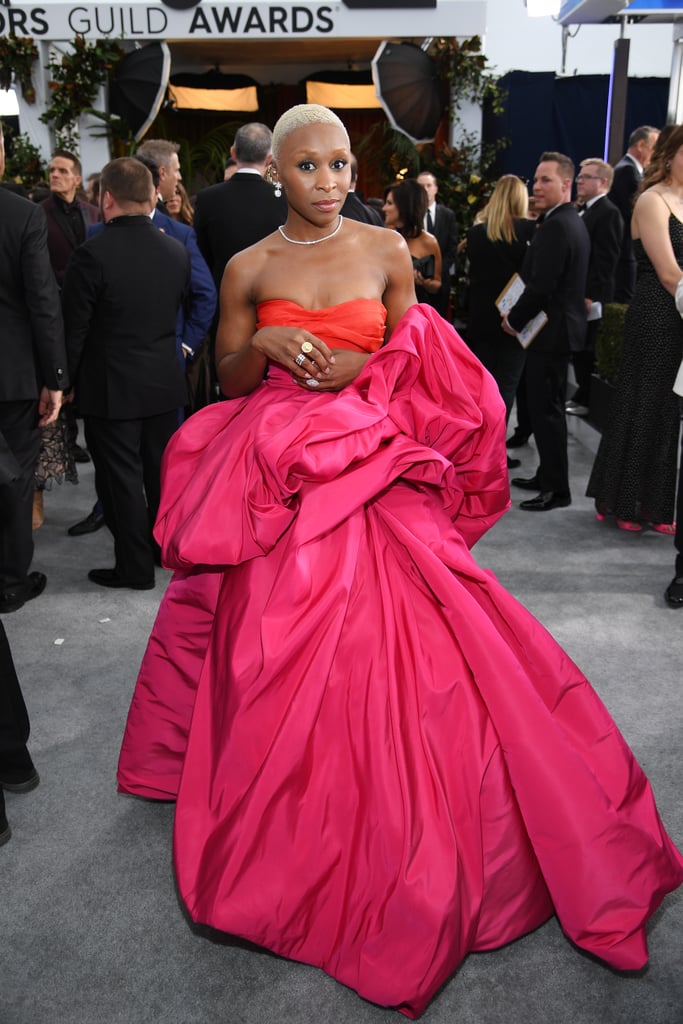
(430, 223)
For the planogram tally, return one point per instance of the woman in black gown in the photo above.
(634, 475)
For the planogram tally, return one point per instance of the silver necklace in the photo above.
(313, 241)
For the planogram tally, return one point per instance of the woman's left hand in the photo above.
(346, 367)
(428, 283)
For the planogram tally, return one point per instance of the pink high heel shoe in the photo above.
(668, 528)
(624, 524)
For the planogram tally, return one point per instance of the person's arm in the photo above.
(605, 250)
(542, 272)
(82, 285)
(201, 228)
(202, 298)
(651, 224)
(42, 300)
(49, 404)
(431, 284)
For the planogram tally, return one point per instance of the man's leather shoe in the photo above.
(110, 578)
(673, 594)
(517, 440)
(15, 595)
(80, 454)
(546, 500)
(91, 523)
(527, 483)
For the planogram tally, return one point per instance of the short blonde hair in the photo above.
(297, 117)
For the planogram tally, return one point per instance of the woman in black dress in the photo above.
(405, 206)
(496, 246)
(634, 475)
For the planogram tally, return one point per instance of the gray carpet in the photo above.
(91, 929)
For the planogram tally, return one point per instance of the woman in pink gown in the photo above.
(381, 760)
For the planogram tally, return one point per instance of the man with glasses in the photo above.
(605, 227)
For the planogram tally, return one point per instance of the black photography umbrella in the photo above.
(138, 86)
(409, 89)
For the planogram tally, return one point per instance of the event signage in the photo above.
(256, 20)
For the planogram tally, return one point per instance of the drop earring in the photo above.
(272, 180)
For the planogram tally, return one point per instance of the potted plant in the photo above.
(607, 359)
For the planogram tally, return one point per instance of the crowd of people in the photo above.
(358, 455)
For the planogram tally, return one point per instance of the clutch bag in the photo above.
(425, 265)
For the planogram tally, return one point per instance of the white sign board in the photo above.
(258, 20)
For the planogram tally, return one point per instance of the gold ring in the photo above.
(306, 347)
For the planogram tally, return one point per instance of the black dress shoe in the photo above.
(110, 578)
(91, 523)
(673, 594)
(517, 440)
(80, 454)
(514, 463)
(527, 483)
(546, 500)
(15, 595)
(19, 781)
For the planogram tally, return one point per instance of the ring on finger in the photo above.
(306, 348)
(300, 359)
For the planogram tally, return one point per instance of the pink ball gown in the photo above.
(381, 760)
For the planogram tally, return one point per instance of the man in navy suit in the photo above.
(605, 228)
(554, 272)
(628, 174)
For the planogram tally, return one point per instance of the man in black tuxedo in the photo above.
(234, 214)
(121, 297)
(354, 208)
(32, 378)
(628, 174)
(554, 272)
(605, 228)
(440, 222)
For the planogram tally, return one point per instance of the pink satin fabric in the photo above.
(381, 760)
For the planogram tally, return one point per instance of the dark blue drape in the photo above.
(543, 112)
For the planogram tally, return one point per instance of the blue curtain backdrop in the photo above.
(544, 112)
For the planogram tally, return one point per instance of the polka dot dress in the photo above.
(634, 475)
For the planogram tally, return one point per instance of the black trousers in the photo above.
(127, 456)
(14, 723)
(19, 427)
(546, 388)
(584, 364)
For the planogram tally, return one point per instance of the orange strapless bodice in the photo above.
(358, 324)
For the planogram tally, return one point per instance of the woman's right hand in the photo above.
(296, 350)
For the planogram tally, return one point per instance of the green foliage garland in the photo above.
(76, 79)
(17, 57)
